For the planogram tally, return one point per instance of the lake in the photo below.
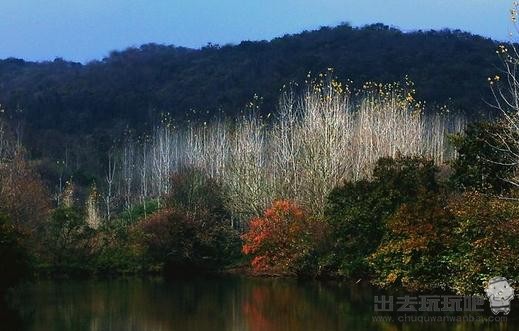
(223, 303)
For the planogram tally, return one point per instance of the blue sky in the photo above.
(83, 30)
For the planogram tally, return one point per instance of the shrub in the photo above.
(482, 162)
(194, 232)
(14, 255)
(142, 210)
(201, 199)
(68, 240)
(120, 249)
(183, 245)
(170, 238)
(283, 240)
(117, 259)
(412, 252)
(486, 236)
(196, 194)
(357, 211)
(22, 194)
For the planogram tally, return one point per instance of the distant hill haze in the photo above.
(63, 100)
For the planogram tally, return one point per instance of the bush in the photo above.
(117, 259)
(14, 255)
(68, 240)
(482, 163)
(456, 244)
(142, 210)
(194, 193)
(412, 252)
(357, 211)
(22, 194)
(194, 232)
(170, 239)
(120, 249)
(284, 240)
(486, 236)
(201, 199)
(184, 245)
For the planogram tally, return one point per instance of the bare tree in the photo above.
(144, 174)
(109, 179)
(128, 168)
(319, 138)
(505, 88)
(61, 167)
(92, 216)
(5, 144)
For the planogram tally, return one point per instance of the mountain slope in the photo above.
(63, 100)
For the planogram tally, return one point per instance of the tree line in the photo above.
(58, 104)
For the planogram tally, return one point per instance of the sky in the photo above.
(84, 30)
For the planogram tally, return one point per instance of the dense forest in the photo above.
(166, 159)
(62, 103)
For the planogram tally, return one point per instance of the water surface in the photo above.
(228, 303)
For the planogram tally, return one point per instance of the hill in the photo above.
(65, 104)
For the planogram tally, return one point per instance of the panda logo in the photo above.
(499, 292)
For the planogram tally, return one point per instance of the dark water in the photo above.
(209, 304)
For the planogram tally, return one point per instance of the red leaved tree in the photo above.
(283, 240)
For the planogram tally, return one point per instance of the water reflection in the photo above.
(209, 304)
(10, 318)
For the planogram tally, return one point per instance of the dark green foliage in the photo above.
(196, 194)
(118, 258)
(414, 249)
(485, 232)
(357, 211)
(68, 241)
(11, 318)
(201, 198)
(69, 104)
(194, 232)
(170, 239)
(137, 212)
(125, 85)
(14, 255)
(481, 162)
(185, 245)
(119, 248)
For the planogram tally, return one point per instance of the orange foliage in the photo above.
(486, 232)
(281, 238)
(411, 254)
(22, 193)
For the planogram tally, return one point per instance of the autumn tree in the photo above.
(412, 254)
(14, 254)
(68, 240)
(357, 211)
(486, 232)
(22, 193)
(505, 89)
(193, 232)
(282, 239)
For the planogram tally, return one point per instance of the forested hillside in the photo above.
(115, 167)
(61, 103)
